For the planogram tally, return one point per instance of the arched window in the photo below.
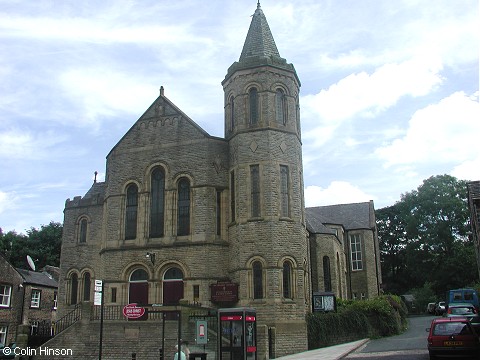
(327, 277)
(287, 280)
(232, 113)
(86, 286)
(157, 202)
(82, 235)
(139, 275)
(280, 107)
(253, 101)
(131, 212)
(73, 289)
(183, 227)
(257, 280)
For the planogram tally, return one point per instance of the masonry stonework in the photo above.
(229, 225)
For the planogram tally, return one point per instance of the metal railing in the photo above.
(68, 320)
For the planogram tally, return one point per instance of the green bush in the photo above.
(382, 316)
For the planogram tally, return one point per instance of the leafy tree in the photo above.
(423, 238)
(42, 245)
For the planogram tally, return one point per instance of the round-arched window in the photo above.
(173, 273)
(139, 275)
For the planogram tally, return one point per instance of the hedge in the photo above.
(385, 315)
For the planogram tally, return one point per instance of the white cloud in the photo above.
(362, 94)
(440, 133)
(19, 144)
(100, 92)
(338, 192)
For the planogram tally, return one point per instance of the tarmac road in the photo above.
(412, 344)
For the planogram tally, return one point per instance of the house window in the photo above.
(219, 212)
(73, 289)
(232, 195)
(196, 293)
(113, 297)
(35, 299)
(232, 113)
(3, 334)
(257, 280)
(183, 227)
(280, 108)
(55, 300)
(356, 252)
(5, 294)
(253, 101)
(86, 286)
(131, 212)
(157, 202)
(284, 191)
(327, 276)
(83, 231)
(255, 190)
(287, 280)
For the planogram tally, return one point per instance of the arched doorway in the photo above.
(138, 289)
(172, 286)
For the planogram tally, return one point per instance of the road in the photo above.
(411, 345)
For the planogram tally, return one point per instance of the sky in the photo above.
(389, 95)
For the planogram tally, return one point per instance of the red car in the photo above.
(452, 337)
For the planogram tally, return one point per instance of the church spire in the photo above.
(259, 41)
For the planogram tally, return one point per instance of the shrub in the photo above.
(382, 316)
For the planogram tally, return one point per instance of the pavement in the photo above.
(328, 353)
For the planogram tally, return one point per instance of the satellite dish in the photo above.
(30, 263)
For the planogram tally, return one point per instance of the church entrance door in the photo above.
(138, 290)
(172, 286)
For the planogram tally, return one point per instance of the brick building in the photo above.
(473, 188)
(181, 211)
(28, 299)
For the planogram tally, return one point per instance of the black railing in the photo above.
(68, 320)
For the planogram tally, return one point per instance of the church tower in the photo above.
(266, 228)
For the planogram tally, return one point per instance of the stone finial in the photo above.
(162, 92)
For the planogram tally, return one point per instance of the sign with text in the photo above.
(224, 292)
(97, 295)
(132, 311)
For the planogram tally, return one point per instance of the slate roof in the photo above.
(350, 216)
(259, 41)
(38, 278)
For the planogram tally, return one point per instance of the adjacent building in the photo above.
(28, 302)
(473, 188)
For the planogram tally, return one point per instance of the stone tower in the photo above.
(266, 231)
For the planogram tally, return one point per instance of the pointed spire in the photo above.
(259, 41)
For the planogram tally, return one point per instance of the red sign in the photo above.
(231, 318)
(132, 311)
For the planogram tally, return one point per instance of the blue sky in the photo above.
(389, 92)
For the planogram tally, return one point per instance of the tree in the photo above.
(423, 238)
(42, 245)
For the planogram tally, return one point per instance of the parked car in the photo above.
(475, 321)
(7, 352)
(440, 308)
(452, 336)
(458, 309)
(431, 308)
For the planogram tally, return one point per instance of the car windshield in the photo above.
(451, 328)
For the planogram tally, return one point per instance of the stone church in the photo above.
(182, 212)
